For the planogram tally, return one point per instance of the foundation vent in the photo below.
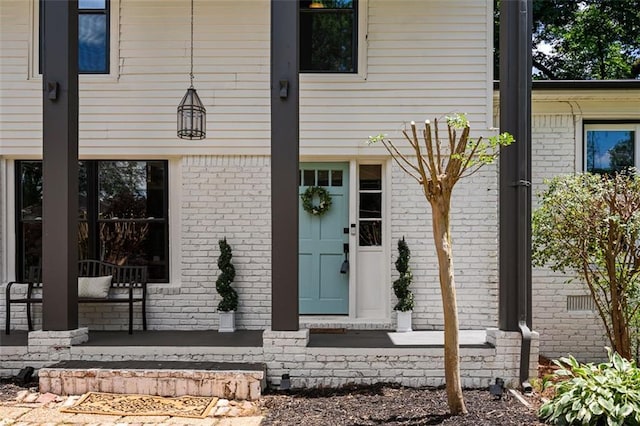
(580, 303)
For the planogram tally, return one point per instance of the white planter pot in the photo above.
(227, 322)
(404, 321)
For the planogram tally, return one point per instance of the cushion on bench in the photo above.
(94, 287)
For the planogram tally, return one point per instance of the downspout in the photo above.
(524, 190)
(525, 352)
(515, 177)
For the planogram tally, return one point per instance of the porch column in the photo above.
(285, 129)
(60, 165)
(515, 174)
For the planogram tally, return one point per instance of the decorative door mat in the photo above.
(142, 405)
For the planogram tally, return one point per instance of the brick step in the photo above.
(238, 381)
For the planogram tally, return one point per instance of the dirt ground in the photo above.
(380, 404)
(9, 390)
(385, 404)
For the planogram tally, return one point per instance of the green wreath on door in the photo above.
(310, 194)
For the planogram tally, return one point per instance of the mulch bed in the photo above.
(388, 404)
(379, 404)
(9, 388)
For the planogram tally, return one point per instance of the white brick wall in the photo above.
(221, 196)
(475, 244)
(287, 352)
(561, 332)
(226, 197)
(230, 196)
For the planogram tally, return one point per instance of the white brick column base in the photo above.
(285, 351)
(507, 359)
(52, 346)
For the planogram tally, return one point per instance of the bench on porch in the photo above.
(129, 278)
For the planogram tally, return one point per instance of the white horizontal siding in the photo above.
(424, 59)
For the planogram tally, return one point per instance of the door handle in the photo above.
(344, 268)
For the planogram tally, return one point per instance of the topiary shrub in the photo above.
(603, 394)
(401, 285)
(229, 296)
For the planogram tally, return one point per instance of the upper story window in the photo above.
(329, 36)
(93, 36)
(611, 148)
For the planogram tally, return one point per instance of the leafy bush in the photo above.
(588, 226)
(604, 394)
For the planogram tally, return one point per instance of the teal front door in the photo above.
(324, 289)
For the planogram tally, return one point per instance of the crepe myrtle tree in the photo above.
(437, 166)
(229, 296)
(588, 226)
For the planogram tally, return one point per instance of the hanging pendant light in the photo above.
(192, 115)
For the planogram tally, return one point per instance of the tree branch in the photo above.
(438, 142)
(429, 144)
(396, 153)
(416, 147)
(546, 71)
(397, 156)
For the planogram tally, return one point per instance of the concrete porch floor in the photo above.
(178, 338)
(253, 338)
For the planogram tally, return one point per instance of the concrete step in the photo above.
(238, 381)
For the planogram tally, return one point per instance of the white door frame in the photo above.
(385, 312)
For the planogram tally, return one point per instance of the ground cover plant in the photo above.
(602, 394)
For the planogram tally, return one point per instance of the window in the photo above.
(93, 36)
(123, 214)
(611, 148)
(370, 205)
(307, 177)
(329, 36)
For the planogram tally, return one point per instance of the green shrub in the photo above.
(401, 285)
(604, 394)
(229, 300)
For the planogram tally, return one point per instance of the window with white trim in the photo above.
(370, 205)
(611, 147)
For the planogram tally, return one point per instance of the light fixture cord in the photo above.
(191, 72)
